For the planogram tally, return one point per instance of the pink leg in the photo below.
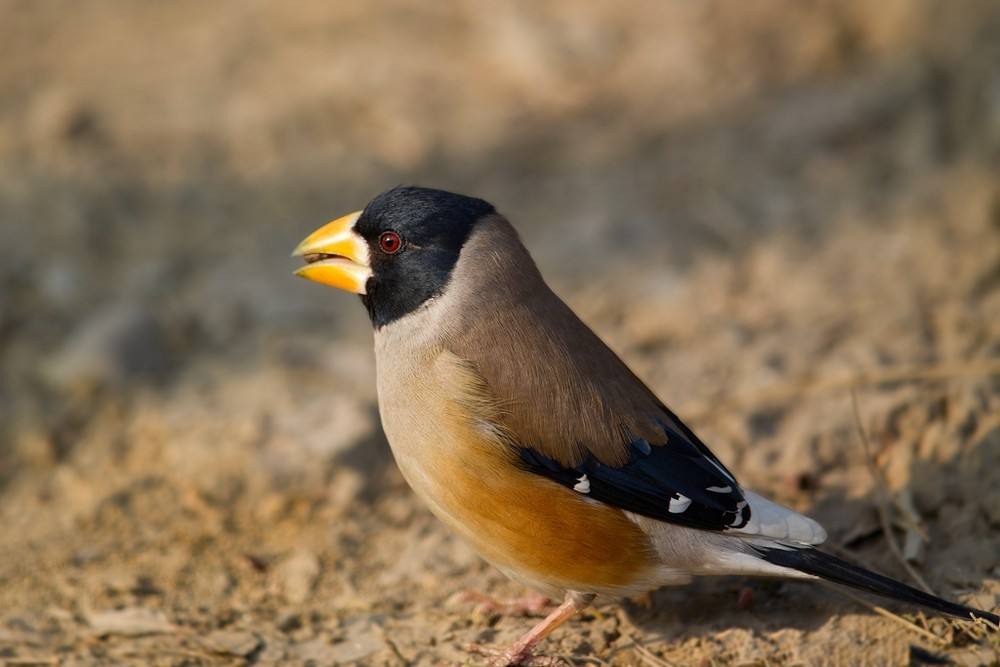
(520, 652)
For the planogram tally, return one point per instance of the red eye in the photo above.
(390, 243)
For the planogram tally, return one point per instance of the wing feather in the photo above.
(673, 482)
(569, 407)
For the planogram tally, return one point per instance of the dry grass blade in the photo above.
(882, 497)
(981, 622)
(911, 519)
(940, 641)
(649, 658)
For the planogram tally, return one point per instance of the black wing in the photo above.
(680, 482)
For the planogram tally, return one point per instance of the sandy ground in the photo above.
(759, 207)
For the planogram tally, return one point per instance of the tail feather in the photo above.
(825, 566)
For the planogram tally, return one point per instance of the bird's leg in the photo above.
(531, 604)
(520, 652)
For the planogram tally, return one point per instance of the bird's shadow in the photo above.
(372, 458)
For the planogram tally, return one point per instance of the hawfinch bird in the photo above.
(530, 438)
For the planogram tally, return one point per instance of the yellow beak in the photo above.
(336, 256)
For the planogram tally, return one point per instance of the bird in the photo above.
(525, 434)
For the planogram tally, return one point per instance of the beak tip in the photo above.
(343, 252)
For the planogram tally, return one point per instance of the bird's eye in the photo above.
(390, 243)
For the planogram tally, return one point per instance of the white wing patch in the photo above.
(740, 506)
(679, 504)
(582, 484)
(719, 489)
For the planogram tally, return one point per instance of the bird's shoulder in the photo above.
(562, 388)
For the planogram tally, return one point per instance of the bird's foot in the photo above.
(522, 652)
(533, 604)
(513, 656)
(744, 599)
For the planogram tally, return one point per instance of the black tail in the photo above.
(839, 571)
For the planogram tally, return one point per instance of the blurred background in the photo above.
(759, 205)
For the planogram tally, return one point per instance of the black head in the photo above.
(414, 237)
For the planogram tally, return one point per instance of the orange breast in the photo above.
(523, 522)
(441, 424)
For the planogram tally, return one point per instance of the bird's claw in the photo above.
(513, 657)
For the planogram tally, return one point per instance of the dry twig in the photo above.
(882, 497)
(649, 658)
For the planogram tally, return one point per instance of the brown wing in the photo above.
(570, 405)
(540, 360)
